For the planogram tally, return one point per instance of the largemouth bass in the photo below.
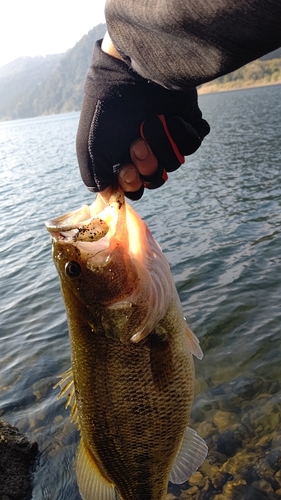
(132, 354)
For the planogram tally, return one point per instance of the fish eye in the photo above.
(73, 269)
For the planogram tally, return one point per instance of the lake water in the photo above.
(218, 221)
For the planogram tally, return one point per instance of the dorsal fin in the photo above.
(193, 342)
(67, 386)
(92, 485)
(192, 453)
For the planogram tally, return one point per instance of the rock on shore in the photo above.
(17, 455)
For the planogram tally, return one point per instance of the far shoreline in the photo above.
(218, 88)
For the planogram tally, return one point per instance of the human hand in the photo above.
(134, 176)
(118, 108)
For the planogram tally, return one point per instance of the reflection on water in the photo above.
(218, 221)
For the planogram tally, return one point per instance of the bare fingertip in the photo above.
(129, 174)
(140, 150)
(129, 179)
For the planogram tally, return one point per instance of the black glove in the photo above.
(118, 107)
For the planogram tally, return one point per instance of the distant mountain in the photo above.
(19, 79)
(47, 85)
(54, 84)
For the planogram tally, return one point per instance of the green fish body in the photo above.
(132, 355)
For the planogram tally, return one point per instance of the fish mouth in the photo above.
(104, 219)
(67, 228)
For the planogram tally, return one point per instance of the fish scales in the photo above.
(133, 397)
(137, 415)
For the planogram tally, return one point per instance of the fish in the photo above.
(131, 381)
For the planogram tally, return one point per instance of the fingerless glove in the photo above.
(118, 107)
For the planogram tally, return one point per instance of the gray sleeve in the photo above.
(183, 43)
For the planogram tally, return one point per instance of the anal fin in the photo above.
(193, 342)
(191, 455)
(92, 485)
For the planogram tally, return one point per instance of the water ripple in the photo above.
(218, 220)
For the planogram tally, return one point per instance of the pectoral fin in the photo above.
(92, 485)
(67, 386)
(191, 455)
(193, 343)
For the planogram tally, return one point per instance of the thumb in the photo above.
(143, 158)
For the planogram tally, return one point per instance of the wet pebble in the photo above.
(197, 479)
(228, 443)
(223, 420)
(206, 429)
(40, 387)
(242, 428)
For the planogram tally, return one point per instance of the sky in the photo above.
(37, 27)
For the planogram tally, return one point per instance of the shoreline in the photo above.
(218, 88)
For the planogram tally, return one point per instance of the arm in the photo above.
(156, 46)
(198, 40)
